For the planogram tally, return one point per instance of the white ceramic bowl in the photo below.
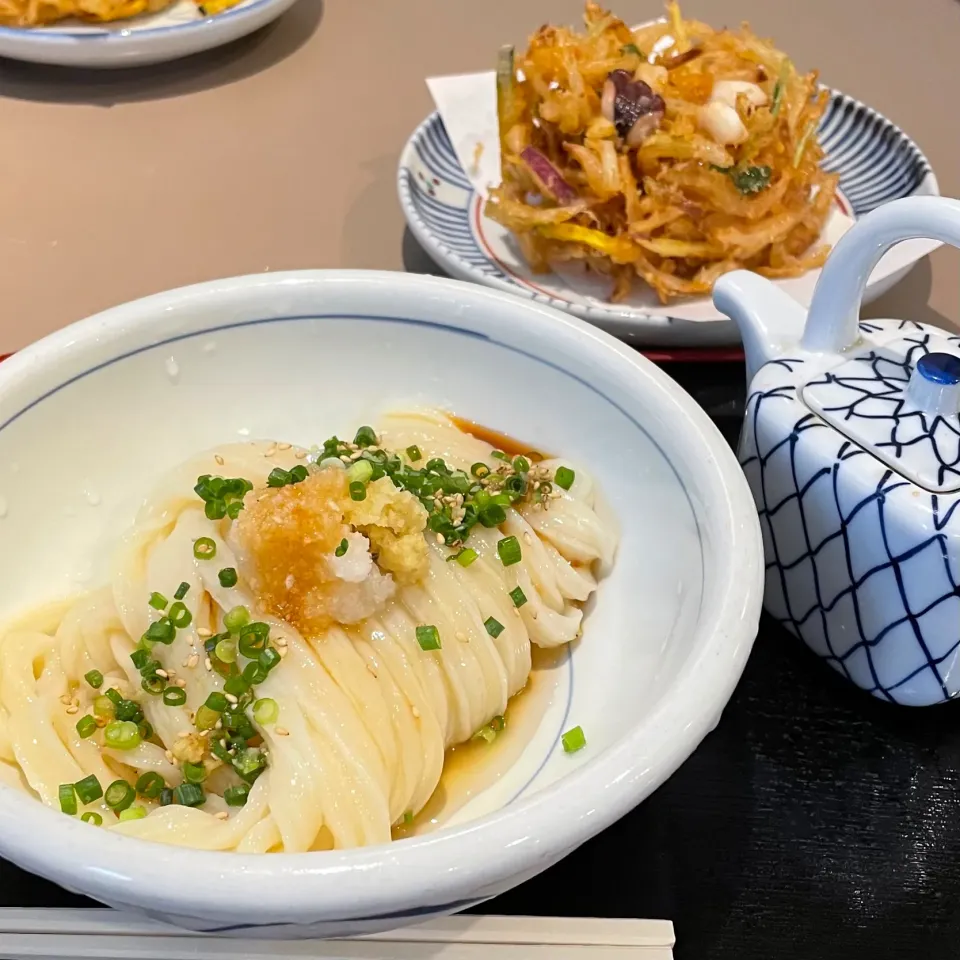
(91, 415)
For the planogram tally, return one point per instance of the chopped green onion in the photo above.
(631, 48)
(521, 465)
(278, 477)
(413, 452)
(119, 795)
(493, 627)
(342, 547)
(465, 557)
(86, 726)
(253, 673)
(206, 719)
(145, 729)
(236, 796)
(480, 470)
(166, 797)
(140, 658)
(150, 785)
(226, 650)
(103, 707)
(217, 701)
(204, 548)
(236, 686)
(129, 710)
(428, 637)
(182, 591)
(485, 733)
(180, 616)
(158, 601)
(114, 696)
(565, 477)
(161, 631)
(121, 735)
(269, 658)
(133, 813)
(518, 597)
(499, 455)
(366, 437)
(68, 798)
(508, 549)
(88, 789)
(189, 795)
(360, 471)
(358, 491)
(266, 710)
(573, 740)
(94, 678)
(93, 817)
(174, 696)
(154, 685)
(298, 474)
(492, 515)
(236, 618)
(408, 818)
(215, 510)
(252, 643)
(227, 577)
(194, 772)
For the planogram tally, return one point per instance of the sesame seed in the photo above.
(65, 700)
(204, 633)
(162, 673)
(282, 731)
(169, 756)
(440, 538)
(280, 641)
(415, 712)
(230, 698)
(192, 660)
(208, 664)
(526, 537)
(73, 708)
(284, 446)
(300, 454)
(345, 457)
(218, 725)
(222, 815)
(271, 450)
(183, 663)
(219, 459)
(75, 701)
(181, 683)
(462, 637)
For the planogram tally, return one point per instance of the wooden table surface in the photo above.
(281, 151)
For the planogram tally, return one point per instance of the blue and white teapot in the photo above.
(851, 445)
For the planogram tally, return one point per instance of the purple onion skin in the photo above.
(551, 178)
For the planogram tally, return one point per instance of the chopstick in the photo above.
(113, 935)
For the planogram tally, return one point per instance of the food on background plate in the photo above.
(35, 13)
(291, 640)
(673, 153)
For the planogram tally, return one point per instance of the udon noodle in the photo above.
(291, 640)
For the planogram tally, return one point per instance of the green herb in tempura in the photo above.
(747, 180)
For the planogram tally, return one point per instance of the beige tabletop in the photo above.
(281, 151)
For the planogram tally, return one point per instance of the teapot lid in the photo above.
(900, 402)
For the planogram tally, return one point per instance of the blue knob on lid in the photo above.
(935, 385)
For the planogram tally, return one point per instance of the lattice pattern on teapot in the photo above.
(862, 564)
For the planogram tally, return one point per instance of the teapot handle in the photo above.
(832, 324)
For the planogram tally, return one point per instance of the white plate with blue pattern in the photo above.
(178, 31)
(877, 162)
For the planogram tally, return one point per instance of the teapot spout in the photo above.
(769, 320)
